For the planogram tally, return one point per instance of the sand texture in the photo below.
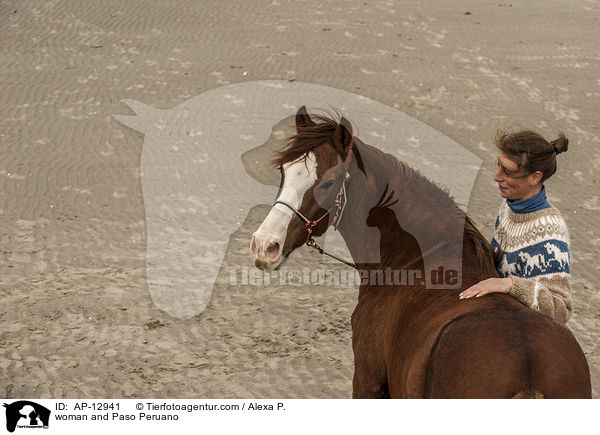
(78, 314)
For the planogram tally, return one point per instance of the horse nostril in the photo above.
(273, 250)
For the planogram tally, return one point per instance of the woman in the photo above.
(531, 239)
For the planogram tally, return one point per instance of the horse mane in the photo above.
(441, 197)
(309, 137)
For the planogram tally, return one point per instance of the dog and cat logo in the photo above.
(26, 415)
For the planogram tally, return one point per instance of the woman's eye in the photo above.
(504, 170)
(327, 184)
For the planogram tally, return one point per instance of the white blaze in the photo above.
(299, 176)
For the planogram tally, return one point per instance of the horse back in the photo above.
(512, 351)
(440, 346)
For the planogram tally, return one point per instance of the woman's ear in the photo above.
(535, 178)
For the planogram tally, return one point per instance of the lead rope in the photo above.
(311, 242)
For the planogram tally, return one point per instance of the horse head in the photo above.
(314, 170)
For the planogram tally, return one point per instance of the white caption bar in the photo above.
(265, 416)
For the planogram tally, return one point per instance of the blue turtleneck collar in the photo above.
(529, 205)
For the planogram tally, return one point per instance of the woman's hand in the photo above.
(490, 285)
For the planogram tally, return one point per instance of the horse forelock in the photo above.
(307, 138)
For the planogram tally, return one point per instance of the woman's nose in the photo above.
(498, 177)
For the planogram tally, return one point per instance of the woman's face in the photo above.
(514, 183)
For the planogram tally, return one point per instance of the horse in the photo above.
(531, 261)
(560, 256)
(413, 339)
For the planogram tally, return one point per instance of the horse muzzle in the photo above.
(267, 251)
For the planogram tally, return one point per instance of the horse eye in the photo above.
(327, 184)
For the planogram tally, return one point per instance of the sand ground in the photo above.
(76, 318)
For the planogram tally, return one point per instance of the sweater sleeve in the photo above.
(549, 294)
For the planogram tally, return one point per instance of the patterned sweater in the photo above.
(536, 255)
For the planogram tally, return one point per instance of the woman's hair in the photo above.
(531, 151)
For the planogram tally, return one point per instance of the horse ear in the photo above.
(342, 137)
(303, 118)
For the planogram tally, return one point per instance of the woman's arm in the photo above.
(550, 294)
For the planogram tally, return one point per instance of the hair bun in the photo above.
(561, 144)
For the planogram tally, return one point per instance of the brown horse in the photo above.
(411, 334)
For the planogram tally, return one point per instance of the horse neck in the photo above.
(418, 226)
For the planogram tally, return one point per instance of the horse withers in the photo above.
(413, 338)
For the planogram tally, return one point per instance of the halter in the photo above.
(339, 204)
